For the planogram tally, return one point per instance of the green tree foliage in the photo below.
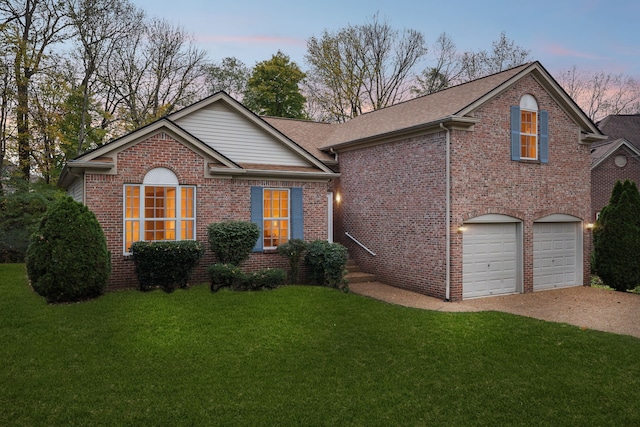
(21, 210)
(616, 238)
(230, 75)
(273, 88)
(231, 241)
(67, 258)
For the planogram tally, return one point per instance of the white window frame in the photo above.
(159, 177)
(528, 104)
(265, 218)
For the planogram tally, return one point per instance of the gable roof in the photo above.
(450, 106)
(187, 118)
(625, 126)
(604, 151)
(308, 166)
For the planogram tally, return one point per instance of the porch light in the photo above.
(589, 226)
(338, 198)
(461, 229)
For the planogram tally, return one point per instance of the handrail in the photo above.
(360, 244)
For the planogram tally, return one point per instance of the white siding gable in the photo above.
(235, 137)
(75, 190)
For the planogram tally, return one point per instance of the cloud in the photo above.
(556, 49)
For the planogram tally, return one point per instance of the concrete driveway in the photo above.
(590, 308)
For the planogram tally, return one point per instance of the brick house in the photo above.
(210, 162)
(616, 159)
(480, 189)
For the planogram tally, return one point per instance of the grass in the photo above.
(299, 356)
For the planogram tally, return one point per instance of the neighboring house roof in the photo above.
(619, 126)
(603, 151)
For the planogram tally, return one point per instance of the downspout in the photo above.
(447, 213)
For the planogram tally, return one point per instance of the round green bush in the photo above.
(67, 258)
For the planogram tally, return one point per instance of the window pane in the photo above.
(186, 230)
(170, 202)
(186, 202)
(276, 217)
(132, 233)
(132, 202)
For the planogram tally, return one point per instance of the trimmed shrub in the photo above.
(67, 258)
(268, 278)
(616, 238)
(165, 264)
(225, 275)
(294, 250)
(232, 241)
(327, 263)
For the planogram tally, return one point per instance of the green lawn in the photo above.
(299, 356)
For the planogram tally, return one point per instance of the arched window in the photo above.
(159, 209)
(529, 131)
(528, 128)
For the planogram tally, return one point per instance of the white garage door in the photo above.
(555, 255)
(489, 266)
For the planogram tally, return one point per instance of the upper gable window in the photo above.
(529, 131)
(528, 128)
(158, 210)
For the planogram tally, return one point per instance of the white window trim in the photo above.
(288, 218)
(141, 219)
(528, 103)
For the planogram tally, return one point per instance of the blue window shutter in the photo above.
(544, 136)
(256, 215)
(515, 132)
(297, 220)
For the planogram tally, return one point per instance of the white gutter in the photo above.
(448, 213)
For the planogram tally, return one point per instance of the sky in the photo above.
(593, 35)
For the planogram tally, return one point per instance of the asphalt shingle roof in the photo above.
(625, 126)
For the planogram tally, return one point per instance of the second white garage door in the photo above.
(555, 255)
(489, 265)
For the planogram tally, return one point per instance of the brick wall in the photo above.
(393, 202)
(216, 200)
(393, 195)
(486, 180)
(605, 175)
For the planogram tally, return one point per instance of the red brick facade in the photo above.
(393, 195)
(607, 173)
(216, 200)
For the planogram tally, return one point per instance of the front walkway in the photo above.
(590, 308)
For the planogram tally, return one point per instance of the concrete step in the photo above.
(360, 277)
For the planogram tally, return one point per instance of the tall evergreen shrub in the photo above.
(616, 238)
(67, 258)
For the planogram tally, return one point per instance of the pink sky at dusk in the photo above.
(593, 35)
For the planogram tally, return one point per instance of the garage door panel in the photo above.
(555, 255)
(489, 260)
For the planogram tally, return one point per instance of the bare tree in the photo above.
(98, 25)
(155, 70)
(7, 95)
(447, 69)
(31, 27)
(361, 68)
(600, 94)
(453, 67)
